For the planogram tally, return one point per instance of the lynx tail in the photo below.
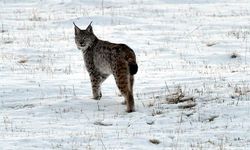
(133, 68)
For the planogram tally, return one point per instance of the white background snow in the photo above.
(183, 46)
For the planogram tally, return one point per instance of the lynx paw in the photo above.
(130, 110)
(97, 97)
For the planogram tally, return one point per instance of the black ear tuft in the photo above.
(77, 29)
(89, 28)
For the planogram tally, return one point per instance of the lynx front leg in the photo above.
(96, 81)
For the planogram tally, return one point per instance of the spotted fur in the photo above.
(103, 58)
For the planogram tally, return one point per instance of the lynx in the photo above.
(103, 58)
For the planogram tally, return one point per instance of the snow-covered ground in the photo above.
(196, 49)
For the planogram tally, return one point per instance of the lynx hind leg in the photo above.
(131, 84)
(123, 83)
(96, 81)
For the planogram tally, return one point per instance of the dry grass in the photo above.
(154, 141)
(23, 61)
(234, 55)
(210, 44)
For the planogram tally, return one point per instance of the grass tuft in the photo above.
(154, 141)
(234, 55)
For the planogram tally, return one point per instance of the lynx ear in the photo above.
(89, 28)
(77, 30)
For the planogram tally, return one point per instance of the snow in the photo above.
(183, 48)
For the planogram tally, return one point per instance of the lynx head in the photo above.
(84, 38)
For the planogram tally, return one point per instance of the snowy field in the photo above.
(192, 90)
